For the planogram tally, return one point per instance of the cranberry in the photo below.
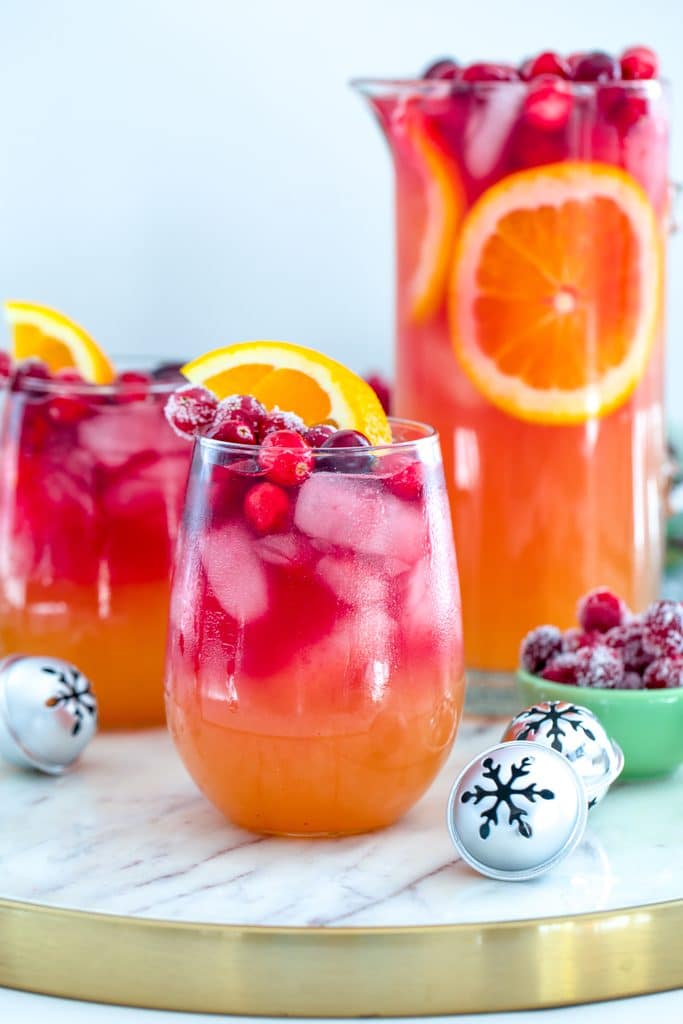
(408, 482)
(190, 409)
(562, 669)
(27, 371)
(133, 386)
(622, 106)
(489, 73)
(663, 629)
(278, 420)
(445, 70)
(596, 67)
(573, 59)
(382, 389)
(664, 674)
(231, 427)
(547, 63)
(631, 681)
(539, 647)
(168, 372)
(286, 458)
(266, 508)
(600, 610)
(69, 375)
(248, 406)
(573, 639)
(68, 408)
(318, 434)
(5, 365)
(353, 460)
(599, 667)
(639, 62)
(548, 103)
(629, 643)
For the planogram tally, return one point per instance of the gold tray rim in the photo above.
(408, 970)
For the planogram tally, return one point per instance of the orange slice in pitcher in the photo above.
(431, 220)
(39, 332)
(556, 291)
(294, 379)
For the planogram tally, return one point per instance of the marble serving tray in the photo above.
(156, 876)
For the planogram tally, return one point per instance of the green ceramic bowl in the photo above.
(647, 724)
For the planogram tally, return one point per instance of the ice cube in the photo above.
(492, 116)
(235, 572)
(352, 581)
(285, 549)
(360, 516)
(118, 432)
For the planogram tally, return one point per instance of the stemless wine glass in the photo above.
(315, 673)
(91, 483)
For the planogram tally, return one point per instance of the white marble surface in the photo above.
(127, 832)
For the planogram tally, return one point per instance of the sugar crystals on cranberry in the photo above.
(539, 647)
(190, 409)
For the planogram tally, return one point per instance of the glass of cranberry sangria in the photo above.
(315, 671)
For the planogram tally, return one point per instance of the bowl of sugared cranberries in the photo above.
(626, 667)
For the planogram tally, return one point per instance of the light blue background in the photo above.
(178, 174)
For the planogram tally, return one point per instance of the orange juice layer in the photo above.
(120, 649)
(317, 772)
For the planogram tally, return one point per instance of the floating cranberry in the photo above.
(5, 365)
(351, 459)
(598, 667)
(573, 59)
(538, 648)
(248, 406)
(489, 73)
(408, 482)
(623, 106)
(548, 103)
(190, 409)
(266, 508)
(600, 610)
(68, 409)
(639, 62)
(278, 420)
(596, 67)
(663, 629)
(664, 674)
(318, 434)
(628, 641)
(562, 669)
(547, 63)
(574, 639)
(445, 70)
(382, 389)
(232, 427)
(133, 386)
(286, 458)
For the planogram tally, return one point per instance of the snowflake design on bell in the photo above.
(503, 795)
(555, 713)
(74, 694)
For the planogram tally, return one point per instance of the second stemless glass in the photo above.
(91, 489)
(315, 675)
(547, 502)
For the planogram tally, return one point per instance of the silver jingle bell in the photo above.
(577, 733)
(48, 712)
(516, 810)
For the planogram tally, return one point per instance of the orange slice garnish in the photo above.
(39, 332)
(556, 289)
(294, 379)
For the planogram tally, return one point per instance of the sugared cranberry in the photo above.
(600, 610)
(629, 643)
(133, 386)
(278, 420)
(382, 389)
(548, 103)
(562, 669)
(664, 674)
(445, 70)
(248, 406)
(190, 409)
(408, 482)
(639, 62)
(350, 458)
(489, 73)
(663, 629)
(596, 67)
(539, 647)
(5, 365)
(318, 434)
(598, 667)
(547, 63)
(231, 427)
(574, 639)
(631, 681)
(266, 508)
(286, 458)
